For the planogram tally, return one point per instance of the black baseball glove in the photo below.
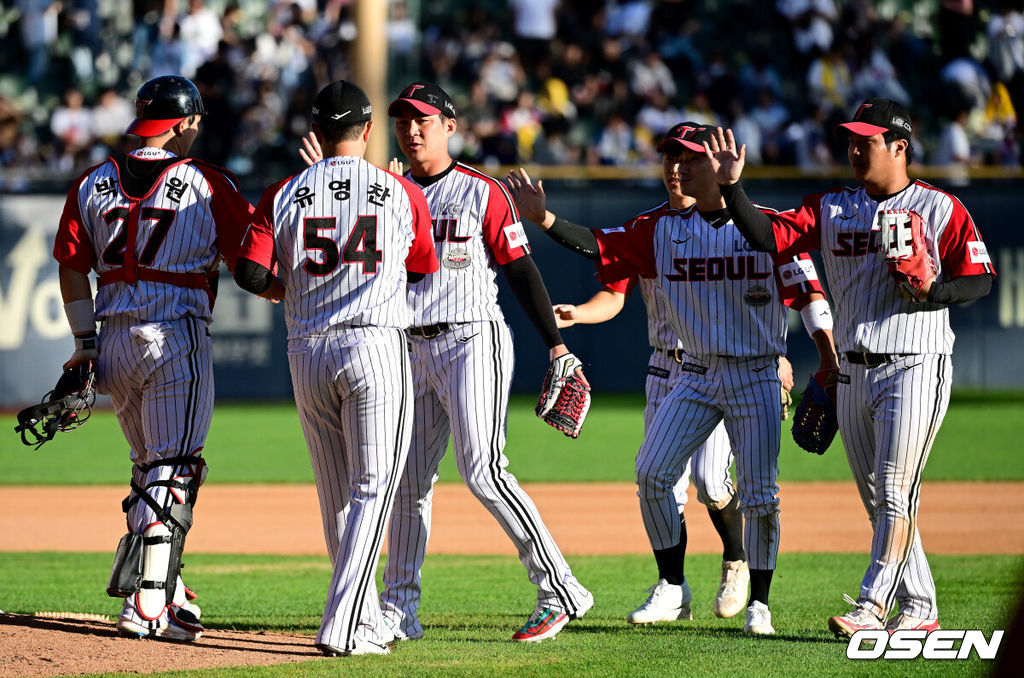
(814, 422)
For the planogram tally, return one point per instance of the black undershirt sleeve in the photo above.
(960, 290)
(252, 277)
(414, 277)
(526, 283)
(752, 223)
(579, 239)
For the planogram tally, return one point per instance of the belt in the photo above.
(431, 331)
(872, 359)
(676, 353)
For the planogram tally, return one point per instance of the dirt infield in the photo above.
(585, 519)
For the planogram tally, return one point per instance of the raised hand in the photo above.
(530, 200)
(395, 166)
(311, 153)
(726, 161)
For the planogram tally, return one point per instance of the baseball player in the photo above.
(895, 372)
(154, 226)
(711, 462)
(462, 358)
(727, 307)
(346, 237)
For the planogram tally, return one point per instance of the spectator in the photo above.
(535, 26)
(200, 33)
(658, 115)
(829, 82)
(615, 143)
(71, 125)
(501, 74)
(810, 23)
(649, 75)
(771, 117)
(111, 116)
(38, 33)
(954, 149)
(522, 122)
(874, 75)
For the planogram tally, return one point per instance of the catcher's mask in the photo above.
(65, 408)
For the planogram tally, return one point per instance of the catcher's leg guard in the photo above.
(126, 573)
(162, 511)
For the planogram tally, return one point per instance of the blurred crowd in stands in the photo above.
(573, 82)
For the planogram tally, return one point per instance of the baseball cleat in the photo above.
(584, 607)
(905, 622)
(732, 593)
(181, 626)
(362, 646)
(759, 620)
(667, 602)
(860, 619)
(544, 623)
(128, 628)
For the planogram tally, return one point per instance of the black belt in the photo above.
(431, 331)
(676, 353)
(872, 359)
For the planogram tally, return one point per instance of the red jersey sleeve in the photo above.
(231, 212)
(73, 246)
(626, 251)
(422, 257)
(258, 242)
(503, 230)
(796, 275)
(961, 248)
(624, 286)
(797, 230)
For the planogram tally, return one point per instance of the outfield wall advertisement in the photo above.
(249, 334)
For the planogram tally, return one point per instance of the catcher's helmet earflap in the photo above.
(65, 408)
(162, 103)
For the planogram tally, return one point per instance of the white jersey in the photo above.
(179, 222)
(476, 230)
(342, 234)
(724, 299)
(871, 314)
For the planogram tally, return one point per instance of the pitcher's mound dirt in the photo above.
(56, 647)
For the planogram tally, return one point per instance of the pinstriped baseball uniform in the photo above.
(343, 234)
(889, 413)
(711, 461)
(728, 308)
(155, 355)
(461, 378)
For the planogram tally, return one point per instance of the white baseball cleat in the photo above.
(860, 619)
(177, 624)
(759, 620)
(904, 622)
(732, 593)
(667, 602)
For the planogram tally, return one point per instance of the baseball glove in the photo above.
(814, 422)
(905, 252)
(564, 397)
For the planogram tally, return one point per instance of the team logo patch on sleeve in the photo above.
(614, 229)
(798, 272)
(516, 235)
(978, 252)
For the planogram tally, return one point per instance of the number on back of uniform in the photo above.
(360, 248)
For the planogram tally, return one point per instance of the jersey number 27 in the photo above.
(361, 246)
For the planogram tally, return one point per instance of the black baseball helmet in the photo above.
(162, 103)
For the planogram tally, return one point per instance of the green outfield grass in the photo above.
(471, 606)
(980, 440)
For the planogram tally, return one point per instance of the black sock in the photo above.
(728, 521)
(760, 582)
(672, 561)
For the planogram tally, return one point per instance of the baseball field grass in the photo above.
(471, 606)
(250, 443)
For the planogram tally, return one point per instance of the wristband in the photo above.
(86, 342)
(81, 316)
(817, 315)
